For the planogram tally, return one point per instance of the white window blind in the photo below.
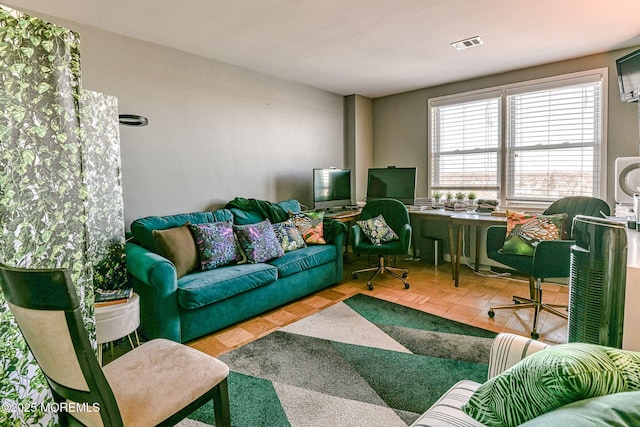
(527, 142)
(466, 146)
(553, 143)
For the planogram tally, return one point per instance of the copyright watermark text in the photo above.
(48, 407)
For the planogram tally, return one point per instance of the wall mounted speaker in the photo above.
(627, 179)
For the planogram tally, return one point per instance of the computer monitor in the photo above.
(393, 183)
(331, 188)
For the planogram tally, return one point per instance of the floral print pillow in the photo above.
(377, 230)
(258, 241)
(288, 235)
(216, 244)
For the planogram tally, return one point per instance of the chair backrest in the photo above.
(578, 205)
(395, 213)
(46, 308)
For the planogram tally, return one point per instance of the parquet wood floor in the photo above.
(432, 290)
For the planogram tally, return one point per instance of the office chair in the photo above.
(396, 216)
(551, 258)
(158, 383)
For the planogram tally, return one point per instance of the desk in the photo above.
(459, 220)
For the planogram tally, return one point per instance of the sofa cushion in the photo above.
(552, 378)
(288, 235)
(177, 245)
(216, 244)
(142, 228)
(618, 409)
(258, 241)
(207, 287)
(304, 259)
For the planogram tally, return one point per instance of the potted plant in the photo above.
(449, 196)
(437, 196)
(460, 196)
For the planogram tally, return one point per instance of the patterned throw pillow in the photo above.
(525, 231)
(258, 241)
(216, 244)
(309, 224)
(177, 245)
(288, 236)
(377, 230)
(552, 378)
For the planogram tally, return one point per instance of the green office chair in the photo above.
(550, 258)
(396, 216)
(158, 383)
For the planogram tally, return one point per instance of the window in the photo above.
(521, 144)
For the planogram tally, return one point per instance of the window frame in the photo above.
(503, 92)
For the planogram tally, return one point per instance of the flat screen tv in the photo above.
(629, 76)
(393, 183)
(331, 188)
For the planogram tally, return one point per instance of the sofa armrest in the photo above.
(155, 280)
(334, 231)
(508, 349)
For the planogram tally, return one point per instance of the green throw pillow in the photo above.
(552, 378)
(618, 409)
(525, 231)
(377, 230)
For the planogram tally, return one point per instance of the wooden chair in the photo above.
(158, 383)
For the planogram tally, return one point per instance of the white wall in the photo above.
(215, 131)
(400, 121)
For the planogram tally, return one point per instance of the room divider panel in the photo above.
(60, 187)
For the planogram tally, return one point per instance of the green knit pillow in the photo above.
(552, 378)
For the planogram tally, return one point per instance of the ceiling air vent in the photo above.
(467, 43)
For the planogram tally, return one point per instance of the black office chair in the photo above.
(551, 258)
(396, 216)
(158, 383)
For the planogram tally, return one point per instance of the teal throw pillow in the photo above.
(258, 241)
(216, 244)
(552, 378)
(525, 231)
(377, 230)
(288, 235)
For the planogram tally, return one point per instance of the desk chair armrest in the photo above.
(495, 237)
(551, 258)
(405, 236)
(357, 236)
(508, 349)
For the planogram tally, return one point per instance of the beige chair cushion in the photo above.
(160, 378)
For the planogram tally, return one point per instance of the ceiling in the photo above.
(367, 47)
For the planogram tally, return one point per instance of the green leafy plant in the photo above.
(471, 195)
(460, 195)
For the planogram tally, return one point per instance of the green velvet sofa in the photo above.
(202, 302)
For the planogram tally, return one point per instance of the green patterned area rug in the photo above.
(361, 362)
